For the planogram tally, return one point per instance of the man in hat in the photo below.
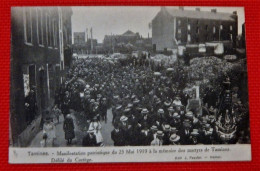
(117, 112)
(169, 118)
(160, 118)
(174, 139)
(145, 120)
(167, 134)
(146, 136)
(90, 139)
(177, 101)
(158, 141)
(185, 132)
(126, 129)
(194, 137)
(117, 136)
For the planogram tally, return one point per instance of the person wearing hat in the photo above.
(160, 118)
(174, 139)
(208, 134)
(177, 101)
(96, 126)
(167, 134)
(194, 138)
(158, 140)
(146, 136)
(117, 136)
(169, 117)
(145, 120)
(68, 128)
(154, 130)
(127, 130)
(89, 140)
(135, 110)
(116, 111)
(185, 131)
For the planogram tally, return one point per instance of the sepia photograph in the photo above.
(128, 76)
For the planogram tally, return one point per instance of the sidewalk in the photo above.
(60, 136)
(79, 133)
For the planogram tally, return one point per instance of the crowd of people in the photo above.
(151, 105)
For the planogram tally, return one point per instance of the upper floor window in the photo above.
(188, 38)
(231, 28)
(197, 30)
(214, 29)
(40, 26)
(221, 27)
(27, 18)
(188, 27)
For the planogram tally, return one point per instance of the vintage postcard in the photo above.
(128, 84)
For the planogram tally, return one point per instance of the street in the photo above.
(77, 141)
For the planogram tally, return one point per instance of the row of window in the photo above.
(207, 38)
(206, 26)
(50, 25)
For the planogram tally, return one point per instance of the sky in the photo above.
(117, 20)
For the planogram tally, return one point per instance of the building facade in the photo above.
(112, 42)
(79, 38)
(174, 27)
(40, 49)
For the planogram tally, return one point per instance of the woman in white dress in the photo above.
(49, 131)
(96, 125)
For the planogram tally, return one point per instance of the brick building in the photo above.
(111, 42)
(79, 38)
(174, 27)
(40, 50)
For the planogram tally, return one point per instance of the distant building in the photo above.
(40, 50)
(91, 45)
(112, 41)
(174, 27)
(79, 38)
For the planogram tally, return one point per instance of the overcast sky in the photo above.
(117, 20)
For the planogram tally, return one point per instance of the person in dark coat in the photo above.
(146, 136)
(90, 139)
(103, 109)
(68, 128)
(167, 134)
(185, 132)
(117, 136)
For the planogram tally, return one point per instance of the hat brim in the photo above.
(177, 138)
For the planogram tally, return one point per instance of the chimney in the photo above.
(235, 12)
(181, 8)
(214, 10)
(197, 9)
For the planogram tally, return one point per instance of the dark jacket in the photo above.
(118, 138)
(88, 141)
(68, 128)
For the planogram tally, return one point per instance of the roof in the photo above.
(200, 14)
(129, 33)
